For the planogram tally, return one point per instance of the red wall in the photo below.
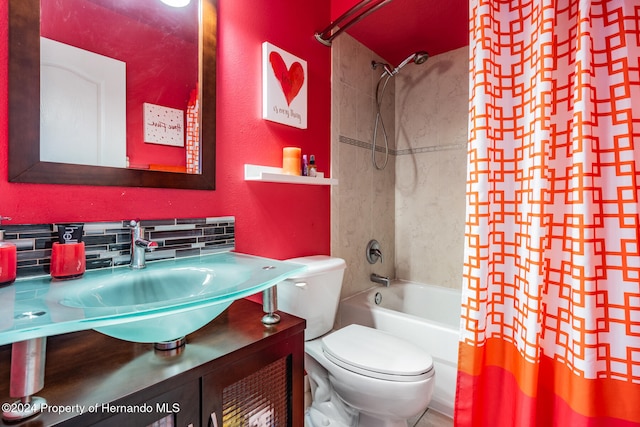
(276, 220)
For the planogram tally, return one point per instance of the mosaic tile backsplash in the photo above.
(108, 244)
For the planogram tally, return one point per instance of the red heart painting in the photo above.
(291, 79)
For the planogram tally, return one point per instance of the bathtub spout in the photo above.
(383, 280)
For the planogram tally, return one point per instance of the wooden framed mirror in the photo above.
(25, 163)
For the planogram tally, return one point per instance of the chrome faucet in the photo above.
(383, 280)
(139, 245)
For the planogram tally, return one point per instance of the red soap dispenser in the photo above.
(8, 259)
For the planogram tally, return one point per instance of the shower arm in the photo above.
(326, 36)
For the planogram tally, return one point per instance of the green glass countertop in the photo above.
(173, 297)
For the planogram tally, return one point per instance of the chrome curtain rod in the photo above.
(351, 16)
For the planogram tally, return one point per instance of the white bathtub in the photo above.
(428, 316)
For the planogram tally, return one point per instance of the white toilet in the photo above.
(359, 376)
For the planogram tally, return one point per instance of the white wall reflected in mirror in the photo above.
(82, 106)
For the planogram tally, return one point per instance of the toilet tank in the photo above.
(313, 294)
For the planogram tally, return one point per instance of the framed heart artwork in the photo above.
(284, 87)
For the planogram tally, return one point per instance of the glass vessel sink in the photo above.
(165, 301)
(154, 288)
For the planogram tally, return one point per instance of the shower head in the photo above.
(418, 58)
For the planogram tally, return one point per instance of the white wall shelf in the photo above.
(271, 174)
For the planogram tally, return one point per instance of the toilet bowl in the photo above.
(386, 379)
(359, 376)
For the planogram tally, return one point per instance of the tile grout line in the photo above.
(427, 149)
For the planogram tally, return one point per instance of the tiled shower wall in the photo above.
(415, 206)
(362, 205)
(432, 110)
(108, 244)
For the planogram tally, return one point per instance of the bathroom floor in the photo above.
(431, 419)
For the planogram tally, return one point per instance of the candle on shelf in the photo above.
(291, 160)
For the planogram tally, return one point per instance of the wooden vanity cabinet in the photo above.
(256, 390)
(176, 407)
(235, 368)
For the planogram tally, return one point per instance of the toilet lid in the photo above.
(377, 354)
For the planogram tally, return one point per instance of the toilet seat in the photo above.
(377, 354)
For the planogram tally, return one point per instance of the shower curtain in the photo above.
(550, 327)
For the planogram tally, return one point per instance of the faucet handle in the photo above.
(373, 252)
(139, 245)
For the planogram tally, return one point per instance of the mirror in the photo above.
(25, 164)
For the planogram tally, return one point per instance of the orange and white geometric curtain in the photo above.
(551, 296)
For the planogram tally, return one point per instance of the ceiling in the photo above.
(398, 29)
(402, 27)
